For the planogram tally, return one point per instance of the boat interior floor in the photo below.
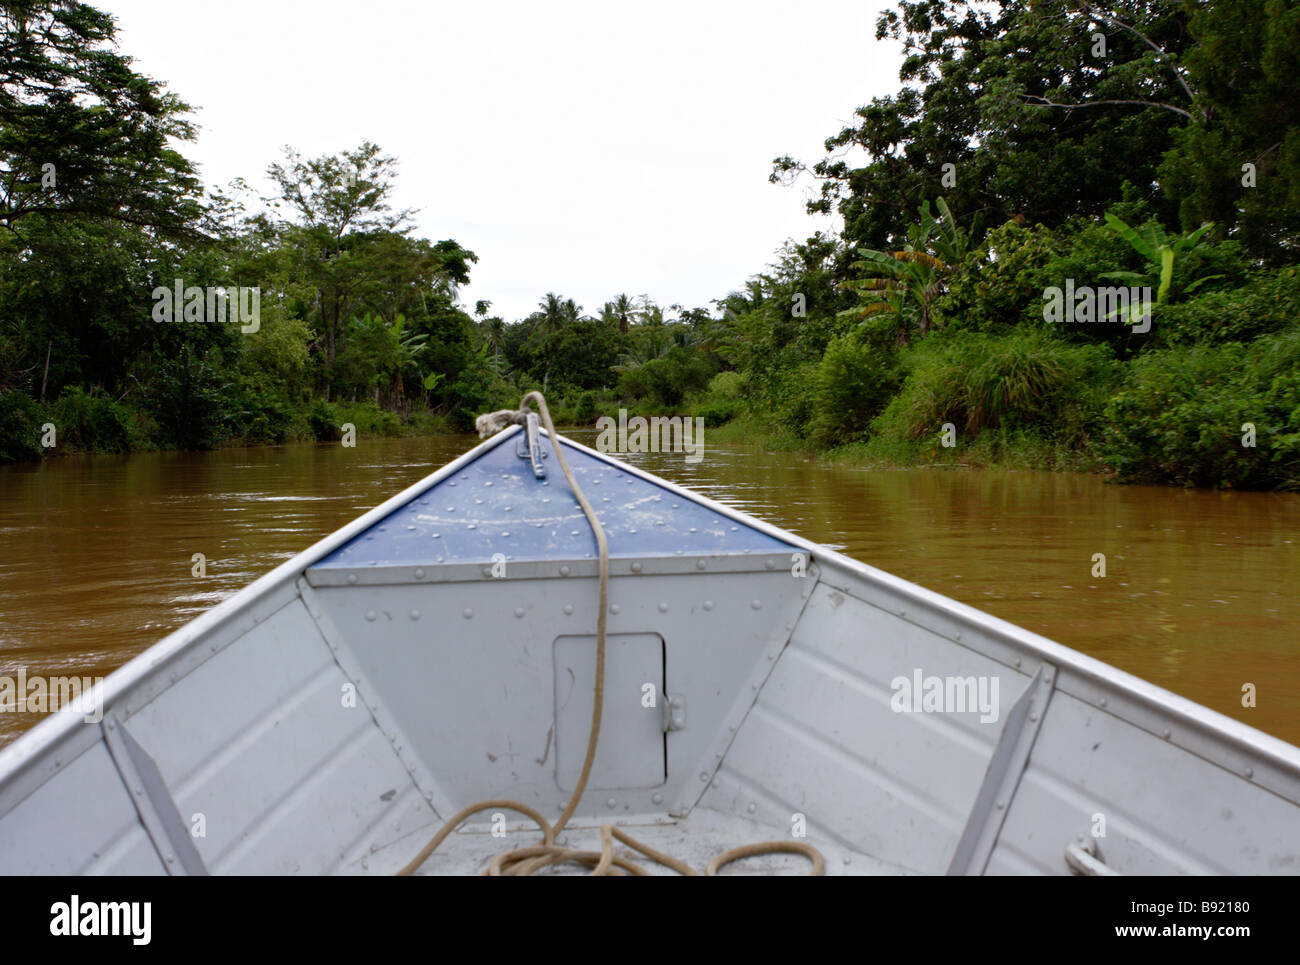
(695, 839)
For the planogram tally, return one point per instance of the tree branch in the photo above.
(1044, 102)
(1098, 14)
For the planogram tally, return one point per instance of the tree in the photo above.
(337, 198)
(354, 250)
(970, 121)
(1241, 168)
(81, 134)
(554, 313)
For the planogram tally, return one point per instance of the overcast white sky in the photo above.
(582, 148)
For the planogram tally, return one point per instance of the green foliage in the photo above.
(92, 423)
(999, 291)
(70, 100)
(853, 384)
(278, 352)
(369, 419)
(1264, 304)
(1026, 380)
(1180, 415)
(1167, 258)
(584, 413)
(906, 283)
(1243, 65)
(20, 427)
(259, 413)
(666, 381)
(188, 400)
(325, 421)
(727, 386)
(478, 389)
(975, 88)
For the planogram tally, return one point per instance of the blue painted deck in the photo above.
(496, 505)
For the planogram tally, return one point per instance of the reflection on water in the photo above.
(96, 552)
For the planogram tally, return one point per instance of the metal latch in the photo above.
(674, 712)
(532, 437)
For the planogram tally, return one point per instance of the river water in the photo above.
(97, 552)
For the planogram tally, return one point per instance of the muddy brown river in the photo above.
(1199, 596)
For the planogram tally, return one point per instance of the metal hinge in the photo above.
(674, 712)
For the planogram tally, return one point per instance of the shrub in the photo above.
(188, 400)
(1180, 415)
(853, 383)
(325, 421)
(369, 419)
(1004, 288)
(92, 423)
(726, 386)
(20, 427)
(1267, 303)
(259, 414)
(584, 413)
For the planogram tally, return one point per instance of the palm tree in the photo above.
(494, 334)
(555, 313)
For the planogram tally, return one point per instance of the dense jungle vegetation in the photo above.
(1037, 156)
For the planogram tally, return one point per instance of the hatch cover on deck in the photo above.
(631, 749)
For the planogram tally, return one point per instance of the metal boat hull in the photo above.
(330, 716)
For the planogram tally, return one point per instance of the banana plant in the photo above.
(1166, 257)
(906, 283)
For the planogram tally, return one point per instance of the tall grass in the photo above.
(1027, 379)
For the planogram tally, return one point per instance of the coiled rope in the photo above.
(525, 861)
